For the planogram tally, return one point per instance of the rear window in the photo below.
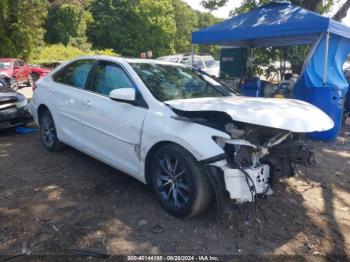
(74, 74)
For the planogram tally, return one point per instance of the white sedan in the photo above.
(174, 128)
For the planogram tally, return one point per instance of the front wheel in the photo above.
(48, 132)
(13, 84)
(179, 183)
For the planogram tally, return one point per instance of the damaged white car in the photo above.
(175, 128)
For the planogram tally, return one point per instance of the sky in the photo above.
(224, 11)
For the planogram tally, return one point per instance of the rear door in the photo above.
(112, 129)
(68, 93)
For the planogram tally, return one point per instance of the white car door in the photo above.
(67, 92)
(112, 129)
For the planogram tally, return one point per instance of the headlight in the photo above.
(220, 141)
(22, 103)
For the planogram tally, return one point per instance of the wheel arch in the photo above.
(41, 109)
(149, 156)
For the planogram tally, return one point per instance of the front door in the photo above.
(112, 129)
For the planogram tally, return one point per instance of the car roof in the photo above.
(129, 60)
(8, 59)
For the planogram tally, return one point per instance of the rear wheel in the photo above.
(179, 183)
(48, 132)
(35, 77)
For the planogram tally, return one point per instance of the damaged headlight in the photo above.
(220, 141)
(22, 104)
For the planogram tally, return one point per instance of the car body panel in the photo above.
(18, 69)
(138, 130)
(10, 114)
(40, 71)
(287, 114)
(107, 135)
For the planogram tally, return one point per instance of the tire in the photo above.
(181, 186)
(35, 77)
(13, 84)
(48, 132)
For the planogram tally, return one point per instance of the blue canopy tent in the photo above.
(282, 24)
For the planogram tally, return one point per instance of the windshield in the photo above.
(5, 65)
(209, 61)
(169, 82)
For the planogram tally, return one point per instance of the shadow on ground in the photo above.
(53, 202)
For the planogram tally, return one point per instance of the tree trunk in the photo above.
(342, 12)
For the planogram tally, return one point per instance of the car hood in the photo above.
(6, 70)
(6, 95)
(287, 114)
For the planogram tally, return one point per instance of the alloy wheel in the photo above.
(47, 130)
(172, 181)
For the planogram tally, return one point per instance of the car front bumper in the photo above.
(13, 117)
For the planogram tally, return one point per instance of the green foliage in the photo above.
(186, 20)
(67, 24)
(247, 5)
(60, 52)
(21, 31)
(213, 4)
(72, 27)
(205, 20)
(132, 27)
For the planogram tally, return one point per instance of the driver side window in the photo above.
(16, 63)
(109, 76)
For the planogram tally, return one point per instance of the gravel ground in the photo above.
(51, 203)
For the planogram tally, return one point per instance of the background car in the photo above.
(15, 72)
(205, 63)
(38, 71)
(13, 108)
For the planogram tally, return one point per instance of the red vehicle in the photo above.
(38, 71)
(15, 72)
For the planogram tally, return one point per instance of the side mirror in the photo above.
(127, 95)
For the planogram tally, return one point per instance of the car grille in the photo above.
(4, 106)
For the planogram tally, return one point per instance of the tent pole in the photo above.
(192, 54)
(325, 66)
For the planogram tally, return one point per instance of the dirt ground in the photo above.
(51, 203)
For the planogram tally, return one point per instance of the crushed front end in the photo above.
(13, 109)
(255, 159)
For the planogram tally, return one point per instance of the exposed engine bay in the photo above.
(255, 158)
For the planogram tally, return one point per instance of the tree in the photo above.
(67, 23)
(247, 5)
(133, 26)
(21, 29)
(342, 12)
(213, 4)
(186, 20)
(205, 20)
(60, 52)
